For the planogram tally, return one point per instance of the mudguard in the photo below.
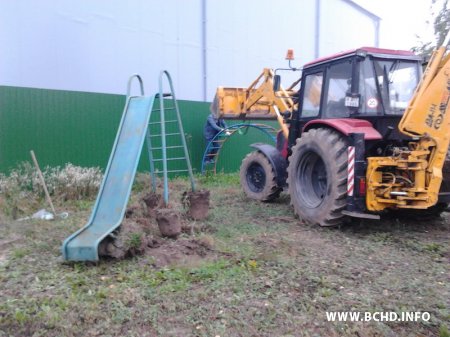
(347, 126)
(278, 162)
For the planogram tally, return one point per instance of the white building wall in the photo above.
(246, 36)
(350, 29)
(96, 45)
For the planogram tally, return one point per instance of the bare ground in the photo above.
(249, 269)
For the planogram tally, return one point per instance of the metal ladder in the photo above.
(166, 141)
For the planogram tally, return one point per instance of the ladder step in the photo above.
(167, 147)
(167, 134)
(158, 109)
(170, 171)
(176, 171)
(159, 122)
(169, 159)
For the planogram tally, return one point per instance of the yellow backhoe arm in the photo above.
(412, 178)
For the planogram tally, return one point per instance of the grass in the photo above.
(267, 275)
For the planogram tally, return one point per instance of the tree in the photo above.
(441, 25)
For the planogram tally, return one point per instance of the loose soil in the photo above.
(153, 202)
(147, 221)
(197, 204)
(182, 252)
(168, 222)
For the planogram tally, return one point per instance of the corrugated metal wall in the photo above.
(79, 127)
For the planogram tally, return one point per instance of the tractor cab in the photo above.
(360, 83)
(367, 83)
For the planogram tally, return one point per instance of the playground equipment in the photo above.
(213, 147)
(163, 129)
(114, 193)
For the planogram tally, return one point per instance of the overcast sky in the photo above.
(401, 21)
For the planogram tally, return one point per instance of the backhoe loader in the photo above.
(362, 132)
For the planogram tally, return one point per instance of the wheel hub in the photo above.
(256, 177)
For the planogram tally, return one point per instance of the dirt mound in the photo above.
(152, 202)
(168, 222)
(147, 222)
(131, 240)
(160, 252)
(186, 251)
(197, 204)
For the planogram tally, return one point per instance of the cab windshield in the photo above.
(388, 85)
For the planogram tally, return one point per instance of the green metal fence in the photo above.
(79, 127)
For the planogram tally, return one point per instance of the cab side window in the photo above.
(338, 85)
(312, 95)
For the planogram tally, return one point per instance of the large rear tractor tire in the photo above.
(317, 177)
(258, 177)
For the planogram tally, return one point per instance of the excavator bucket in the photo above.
(229, 103)
(260, 101)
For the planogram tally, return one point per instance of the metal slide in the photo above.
(109, 208)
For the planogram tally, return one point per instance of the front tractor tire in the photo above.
(258, 178)
(317, 177)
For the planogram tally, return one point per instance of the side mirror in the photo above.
(276, 83)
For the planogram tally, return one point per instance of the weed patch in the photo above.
(22, 193)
